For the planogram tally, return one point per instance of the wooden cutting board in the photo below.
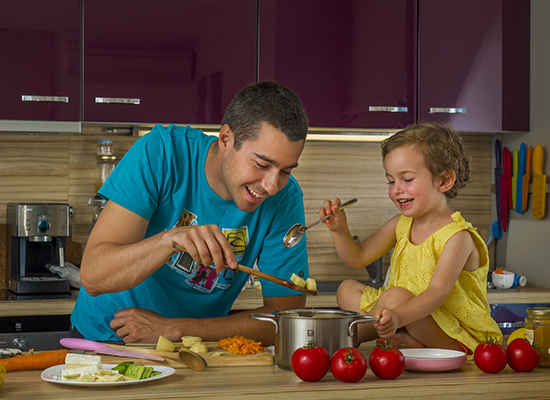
(216, 357)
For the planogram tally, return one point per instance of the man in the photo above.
(224, 201)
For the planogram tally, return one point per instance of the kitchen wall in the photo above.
(526, 255)
(61, 168)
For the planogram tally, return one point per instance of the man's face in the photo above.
(259, 169)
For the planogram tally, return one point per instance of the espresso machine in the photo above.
(36, 238)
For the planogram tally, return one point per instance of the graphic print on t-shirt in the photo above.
(205, 278)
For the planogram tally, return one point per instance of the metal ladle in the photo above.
(295, 233)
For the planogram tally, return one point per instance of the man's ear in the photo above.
(448, 179)
(225, 138)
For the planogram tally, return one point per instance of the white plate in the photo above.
(53, 374)
(433, 359)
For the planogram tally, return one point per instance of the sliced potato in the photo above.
(164, 344)
(298, 280)
(311, 284)
(199, 347)
(189, 341)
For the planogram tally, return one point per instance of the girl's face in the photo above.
(412, 188)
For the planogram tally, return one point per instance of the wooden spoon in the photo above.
(263, 275)
(192, 360)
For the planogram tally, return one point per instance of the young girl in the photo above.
(437, 289)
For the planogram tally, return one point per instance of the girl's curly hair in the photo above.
(441, 147)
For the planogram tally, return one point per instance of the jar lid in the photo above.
(539, 311)
(105, 141)
(97, 201)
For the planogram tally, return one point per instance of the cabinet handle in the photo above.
(45, 99)
(116, 100)
(445, 110)
(388, 109)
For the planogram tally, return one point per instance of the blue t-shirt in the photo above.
(162, 179)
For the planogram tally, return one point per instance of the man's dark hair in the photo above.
(266, 102)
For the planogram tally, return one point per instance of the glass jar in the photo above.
(98, 204)
(537, 332)
(105, 163)
(104, 147)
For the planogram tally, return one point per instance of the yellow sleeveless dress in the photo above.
(465, 314)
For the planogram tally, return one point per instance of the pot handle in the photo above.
(266, 317)
(359, 320)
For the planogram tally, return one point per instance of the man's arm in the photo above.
(117, 257)
(137, 325)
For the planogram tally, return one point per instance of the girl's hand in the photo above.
(338, 219)
(387, 325)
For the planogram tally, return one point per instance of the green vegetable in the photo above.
(135, 371)
(147, 373)
(122, 367)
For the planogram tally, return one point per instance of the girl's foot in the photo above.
(401, 339)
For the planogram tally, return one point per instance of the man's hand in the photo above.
(206, 244)
(136, 325)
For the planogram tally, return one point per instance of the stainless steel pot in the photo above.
(330, 329)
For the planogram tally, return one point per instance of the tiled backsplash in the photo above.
(61, 168)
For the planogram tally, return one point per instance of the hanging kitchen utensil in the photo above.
(494, 233)
(519, 179)
(515, 163)
(504, 190)
(260, 274)
(527, 178)
(539, 183)
(509, 157)
(497, 180)
(101, 348)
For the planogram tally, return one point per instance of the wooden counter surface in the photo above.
(270, 382)
(250, 299)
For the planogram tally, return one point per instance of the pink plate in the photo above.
(433, 359)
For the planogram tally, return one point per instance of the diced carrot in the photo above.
(42, 360)
(241, 345)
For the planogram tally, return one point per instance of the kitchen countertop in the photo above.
(250, 299)
(270, 382)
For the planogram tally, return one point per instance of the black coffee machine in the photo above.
(36, 236)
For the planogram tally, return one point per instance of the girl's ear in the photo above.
(447, 180)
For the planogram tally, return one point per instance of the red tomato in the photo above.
(348, 365)
(387, 362)
(310, 363)
(490, 357)
(522, 356)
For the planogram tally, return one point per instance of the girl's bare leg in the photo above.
(348, 297)
(422, 333)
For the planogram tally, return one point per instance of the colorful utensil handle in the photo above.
(82, 344)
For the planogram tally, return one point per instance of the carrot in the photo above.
(241, 345)
(43, 360)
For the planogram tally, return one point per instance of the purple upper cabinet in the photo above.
(474, 64)
(351, 62)
(166, 61)
(40, 67)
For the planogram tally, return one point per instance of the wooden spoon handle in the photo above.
(274, 279)
(260, 274)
